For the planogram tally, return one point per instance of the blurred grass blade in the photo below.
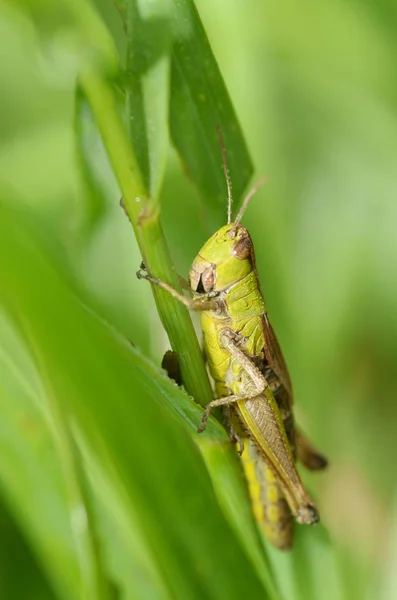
(14, 551)
(30, 473)
(200, 102)
(311, 570)
(94, 580)
(88, 145)
(147, 86)
(388, 588)
(231, 490)
(29, 458)
(109, 389)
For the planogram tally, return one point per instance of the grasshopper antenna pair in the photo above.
(249, 196)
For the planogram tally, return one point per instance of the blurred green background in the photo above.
(104, 492)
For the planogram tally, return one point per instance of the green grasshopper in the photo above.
(250, 375)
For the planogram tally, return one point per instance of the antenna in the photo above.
(247, 200)
(227, 176)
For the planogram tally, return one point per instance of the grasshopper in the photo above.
(250, 375)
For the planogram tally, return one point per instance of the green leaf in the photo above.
(87, 138)
(15, 551)
(311, 569)
(30, 473)
(114, 395)
(147, 86)
(37, 496)
(199, 103)
(74, 27)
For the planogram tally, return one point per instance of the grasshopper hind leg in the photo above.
(308, 455)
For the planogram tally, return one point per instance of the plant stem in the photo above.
(144, 215)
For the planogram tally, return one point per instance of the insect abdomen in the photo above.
(268, 503)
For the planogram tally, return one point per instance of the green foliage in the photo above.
(107, 491)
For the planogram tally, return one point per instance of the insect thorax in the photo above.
(243, 312)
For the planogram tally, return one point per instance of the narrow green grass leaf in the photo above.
(87, 139)
(199, 103)
(98, 377)
(29, 458)
(15, 551)
(231, 489)
(147, 86)
(94, 580)
(31, 479)
(311, 570)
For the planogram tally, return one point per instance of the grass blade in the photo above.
(100, 378)
(200, 102)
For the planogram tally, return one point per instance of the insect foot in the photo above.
(140, 274)
(308, 515)
(144, 274)
(205, 417)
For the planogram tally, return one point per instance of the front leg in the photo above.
(197, 304)
(225, 401)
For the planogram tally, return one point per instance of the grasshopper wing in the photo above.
(272, 349)
(275, 357)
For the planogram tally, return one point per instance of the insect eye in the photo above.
(208, 279)
(243, 248)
